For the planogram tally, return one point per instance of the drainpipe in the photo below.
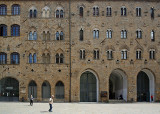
(70, 72)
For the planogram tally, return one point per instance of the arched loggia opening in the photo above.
(46, 90)
(118, 85)
(32, 89)
(88, 87)
(9, 89)
(145, 86)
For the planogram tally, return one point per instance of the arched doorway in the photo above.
(46, 90)
(9, 89)
(145, 86)
(32, 89)
(59, 90)
(118, 85)
(88, 87)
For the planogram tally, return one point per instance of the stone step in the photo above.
(116, 101)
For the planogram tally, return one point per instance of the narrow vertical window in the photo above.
(109, 54)
(57, 58)
(30, 58)
(61, 35)
(139, 34)
(57, 13)
(81, 35)
(152, 13)
(109, 33)
(61, 13)
(34, 35)
(82, 54)
(96, 54)
(61, 58)
(44, 35)
(30, 13)
(94, 11)
(138, 54)
(94, 34)
(152, 35)
(97, 34)
(81, 11)
(97, 11)
(35, 13)
(57, 35)
(34, 58)
(123, 54)
(30, 36)
(15, 58)
(48, 35)
(152, 54)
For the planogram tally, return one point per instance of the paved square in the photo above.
(80, 108)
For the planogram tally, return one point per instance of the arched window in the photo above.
(30, 35)
(48, 35)
(96, 54)
(123, 34)
(30, 58)
(61, 35)
(57, 35)
(15, 30)
(138, 54)
(95, 34)
(123, 11)
(15, 59)
(48, 58)
(95, 11)
(35, 13)
(15, 9)
(59, 90)
(43, 58)
(3, 9)
(34, 35)
(109, 33)
(32, 89)
(3, 58)
(81, 35)
(124, 54)
(46, 90)
(3, 30)
(152, 35)
(152, 54)
(61, 58)
(30, 13)
(57, 58)
(139, 33)
(34, 58)
(44, 35)
(81, 11)
(57, 13)
(109, 54)
(61, 14)
(45, 12)
(82, 54)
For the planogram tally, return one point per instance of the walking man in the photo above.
(31, 100)
(50, 103)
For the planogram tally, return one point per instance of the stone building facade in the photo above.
(80, 50)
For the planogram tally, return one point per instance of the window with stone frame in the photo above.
(33, 13)
(152, 54)
(46, 58)
(59, 58)
(138, 12)
(32, 58)
(109, 11)
(3, 58)
(15, 30)
(138, 54)
(139, 33)
(96, 54)
(15, 58)
(3, 30)
(3, 9)
(124, 54)
(109, 33)
(95, 33)
(109, 54)
(123, 11)
(82, 54)
(32, 35)
(46, 35)
(152, 12)
(15, 9)
(95, 11)
(46, 12)
(81, 11)
(59, 35)
(59, 13)
(123, 34)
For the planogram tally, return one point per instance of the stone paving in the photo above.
(80, 108)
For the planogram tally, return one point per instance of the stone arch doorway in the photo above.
(9, 89)
(118, 85)
(32, 89)
(88, 87)
(145, 85)
(46, 90)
